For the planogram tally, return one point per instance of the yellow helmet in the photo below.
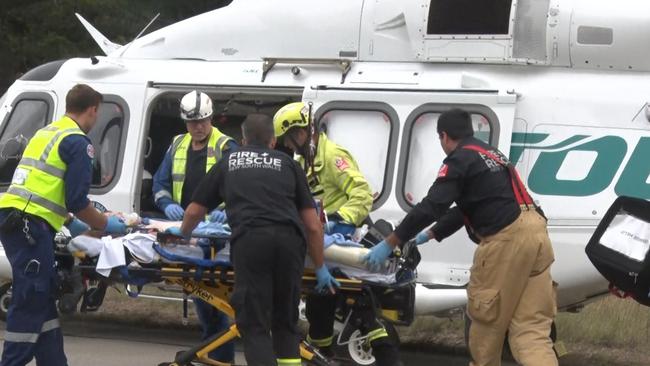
(290, 116)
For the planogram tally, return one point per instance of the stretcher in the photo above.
(212, 280)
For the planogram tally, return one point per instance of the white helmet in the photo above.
(196, 106)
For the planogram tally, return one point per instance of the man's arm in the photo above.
(194, 213)
(355, 187)
(206, 197)
(77, 152)
(162, 182)
(436, 203)
(92, 217)
(448, 224)
(314, 232)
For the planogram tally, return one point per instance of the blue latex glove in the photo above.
(325, 280)
(218, 216)
(174, 211)
(175, 230)
(376, 259)
(336, 227)
(77, 227)
(422, 237)
(115, 225)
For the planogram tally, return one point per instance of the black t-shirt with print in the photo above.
(260, 187)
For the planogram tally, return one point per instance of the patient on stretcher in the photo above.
(143, 248)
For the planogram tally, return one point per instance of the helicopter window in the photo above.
(425, 153)
(347, 127)
(27, 116)
(469, 17)
(106, 137)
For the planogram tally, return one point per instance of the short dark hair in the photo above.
(457, 123)
(82, 97)
(257, 129)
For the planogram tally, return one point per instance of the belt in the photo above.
(35, 219)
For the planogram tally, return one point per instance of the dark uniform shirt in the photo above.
(194, 172)
(481, 188)
(260, 187)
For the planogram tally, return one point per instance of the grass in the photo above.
(611, 331)
(611, 322)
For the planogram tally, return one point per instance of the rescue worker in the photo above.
(185, 163)
(510, 287)
(271, 213)
(52, 179)
(335, 179)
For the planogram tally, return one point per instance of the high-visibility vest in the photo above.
(37, 185)
(180, 146)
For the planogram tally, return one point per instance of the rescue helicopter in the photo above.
(560, 85)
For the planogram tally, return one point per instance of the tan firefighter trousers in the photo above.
(511, 289)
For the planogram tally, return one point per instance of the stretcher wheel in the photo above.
(359, 349)
(5, 300)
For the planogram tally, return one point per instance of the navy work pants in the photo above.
(32, 324)
(269, 263)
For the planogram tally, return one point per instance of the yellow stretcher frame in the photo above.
(216, 290)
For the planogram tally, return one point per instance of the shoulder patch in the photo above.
(341, 163)
(442, 172)
(90, 150)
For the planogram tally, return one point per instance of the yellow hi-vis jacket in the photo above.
(180, 145)
(338, 183)
(38, 178)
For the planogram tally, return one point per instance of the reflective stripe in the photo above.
(32, 337)
(347, 184)
(376, 334)
(161, 194)
(178, 177)
(53, 141)
(50, 325)
(177, 141)
(25, 194)
(21, 337)
(289, 361)
(41, 165)
(218, 151)
(323, 342)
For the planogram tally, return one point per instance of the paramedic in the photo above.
(510, 287)
(335, 179)
(185, 163)
(52, 179)
(272, 215)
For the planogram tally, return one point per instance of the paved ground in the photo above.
(108, 345)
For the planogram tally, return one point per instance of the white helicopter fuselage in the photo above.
(561, 87)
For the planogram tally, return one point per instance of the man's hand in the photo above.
(176, 230)
(115, 225)
(325, 280)
(376, 259)
(218, 216)
(77, 227)
(174, 212)
(422, 237)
